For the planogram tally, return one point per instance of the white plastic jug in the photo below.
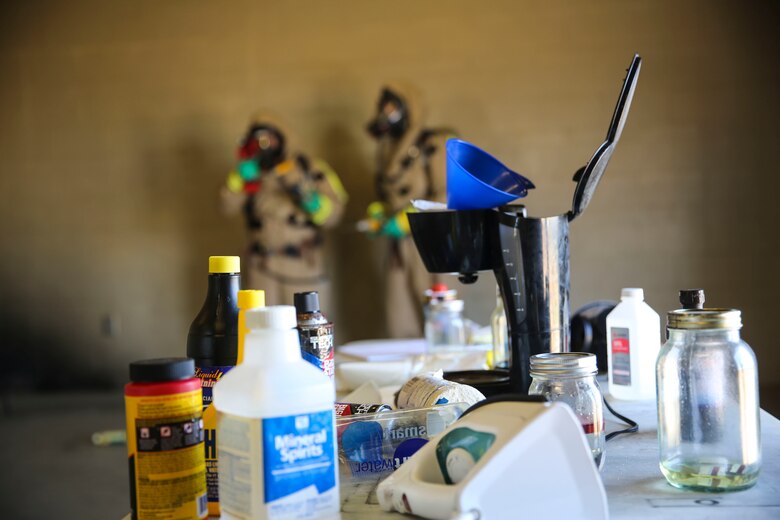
(276, 427)
(633, 342)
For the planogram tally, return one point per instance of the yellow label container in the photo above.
(165, 441)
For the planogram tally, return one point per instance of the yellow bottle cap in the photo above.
(251, 299)
(224, 264)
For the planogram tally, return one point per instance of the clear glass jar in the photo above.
(570, 377)
(708, 408)
(444, 325)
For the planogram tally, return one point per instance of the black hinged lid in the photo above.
(591, 176)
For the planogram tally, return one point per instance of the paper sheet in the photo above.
(384, 349)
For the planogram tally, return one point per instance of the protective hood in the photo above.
(405, 116)
(267, 141)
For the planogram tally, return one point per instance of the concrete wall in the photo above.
(119, 121)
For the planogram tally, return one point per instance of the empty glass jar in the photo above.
(570, 377)
(708, 408)
(445, 328)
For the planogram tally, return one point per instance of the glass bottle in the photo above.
(445, 328)
(708, 408)
(501, 356)
(570, 377)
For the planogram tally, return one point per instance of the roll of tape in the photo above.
(432, 389)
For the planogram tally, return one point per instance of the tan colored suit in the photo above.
(410, 167)
(284, 254)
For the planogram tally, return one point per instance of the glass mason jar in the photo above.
(444, 325)
(570, 377)
(708, 408)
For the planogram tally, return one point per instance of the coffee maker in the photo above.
(529, 257)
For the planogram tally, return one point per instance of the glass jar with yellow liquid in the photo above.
(708, 408)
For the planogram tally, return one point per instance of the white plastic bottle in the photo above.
(275, 429)
(633, 342)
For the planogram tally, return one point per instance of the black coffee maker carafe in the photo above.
(528, 255)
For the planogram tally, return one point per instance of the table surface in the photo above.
(635, 487)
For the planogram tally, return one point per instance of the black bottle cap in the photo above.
(306, 302)
(692, 298)
(162, 370)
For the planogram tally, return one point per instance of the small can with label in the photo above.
(163, 405)
(315, 332)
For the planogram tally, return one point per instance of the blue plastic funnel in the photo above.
(477, 180)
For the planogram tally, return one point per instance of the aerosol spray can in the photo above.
(315, 332)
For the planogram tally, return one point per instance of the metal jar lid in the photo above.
(564, 364)
(703, 319)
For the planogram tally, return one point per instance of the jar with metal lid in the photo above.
(708, 408)
(445, 328)
(570, 377)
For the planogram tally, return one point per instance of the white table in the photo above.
(636, 489)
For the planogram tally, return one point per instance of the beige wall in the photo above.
(119, 121)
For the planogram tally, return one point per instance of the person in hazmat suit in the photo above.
(287, 199)
(410, 164)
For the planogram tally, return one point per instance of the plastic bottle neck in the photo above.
(269, 347)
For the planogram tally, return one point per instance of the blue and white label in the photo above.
(299, 454)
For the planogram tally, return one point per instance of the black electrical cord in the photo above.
(633, 427)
